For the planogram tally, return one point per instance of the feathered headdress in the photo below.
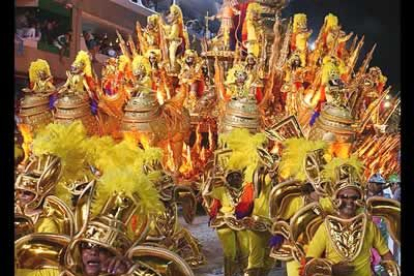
(300, 21)
(141, 61)
(83, 58)
(35, 67)
(253, 8)
(293, 156)
(123, 173)
(65, 142)
(244, 146)
(331, 21)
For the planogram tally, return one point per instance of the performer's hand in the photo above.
(342, 269)
(118, 265)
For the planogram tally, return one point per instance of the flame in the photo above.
(203, 155)
(197, 142)
(170, 159)
(160, 97)
(210, 139)
(27, 140)
(187, 167)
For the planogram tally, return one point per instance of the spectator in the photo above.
(395, 181)
(62, 42)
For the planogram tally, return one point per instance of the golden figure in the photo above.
(175, 36)
(225, 15)
(191, 77)
(78, 97)
(254, 30)
(34, 107)
(300, 36)
(163, 126)
(334, 38)
(151, 34)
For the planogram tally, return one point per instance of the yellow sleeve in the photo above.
(326, 204)
(47, 225)
(318, 243)
(378, 243)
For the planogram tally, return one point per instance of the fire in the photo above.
(27, 140)
(210, 139)
(187, 167)
(198, 139)
(203, 155)
(160, 97)
(170, 165)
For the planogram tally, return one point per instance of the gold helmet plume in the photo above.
(331, 21)
(244, 145)
(35, 67)
(141, 62)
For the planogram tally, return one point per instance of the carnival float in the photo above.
(261, 130)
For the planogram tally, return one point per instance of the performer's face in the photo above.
(348, 197)
(25, 197)
(94, 259)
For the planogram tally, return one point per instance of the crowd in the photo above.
(100, 43)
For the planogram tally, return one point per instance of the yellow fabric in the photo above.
(220, 194)
(292, 268)
(373, 239)
(261, 203)
(259, 250)
(37, 272)
(47, 225)
(232, 241)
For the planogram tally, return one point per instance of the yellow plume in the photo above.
(328, 171)
(293, 156)
(124, 62)
(299, 21)
(122, 167)
(244, 146)
(35, 67)
(83, 57)
(141, 61)
(64, 141)
(331, 20)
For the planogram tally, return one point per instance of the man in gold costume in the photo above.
(342, 243)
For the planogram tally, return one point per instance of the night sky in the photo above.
(378, 20)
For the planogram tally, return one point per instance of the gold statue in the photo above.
(254, 30)
(175, 36)
(35, 105)
(300, 36)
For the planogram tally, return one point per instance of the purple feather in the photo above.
(315, 115)
(94, 107)
(52, 100)
(276, 240)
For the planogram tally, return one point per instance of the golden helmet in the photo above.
(40, 176)
(346, 176)
(300, 22)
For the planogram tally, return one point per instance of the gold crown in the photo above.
(346, 176)
(40, 176)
